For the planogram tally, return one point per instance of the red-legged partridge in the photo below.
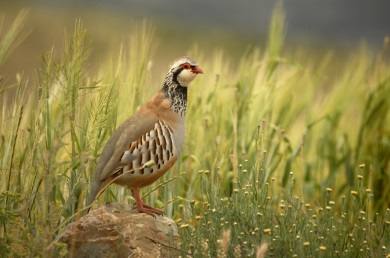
(146, 145)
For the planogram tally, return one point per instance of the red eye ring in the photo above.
(186, 66)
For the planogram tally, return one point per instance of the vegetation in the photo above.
(286, 154)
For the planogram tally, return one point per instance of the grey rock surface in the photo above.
(117, 230)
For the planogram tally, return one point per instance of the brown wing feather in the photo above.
(133, 131)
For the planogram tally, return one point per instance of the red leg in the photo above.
(141, 207)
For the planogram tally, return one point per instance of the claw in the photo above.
(149, 210)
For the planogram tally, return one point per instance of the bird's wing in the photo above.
(131, 130)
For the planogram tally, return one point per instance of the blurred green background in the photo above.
(232, 26)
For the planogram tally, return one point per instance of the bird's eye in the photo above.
(186, 66)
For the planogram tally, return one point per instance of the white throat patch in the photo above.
(185, 77)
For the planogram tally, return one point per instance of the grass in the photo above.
(285, 154)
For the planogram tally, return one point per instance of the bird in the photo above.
(146, 145)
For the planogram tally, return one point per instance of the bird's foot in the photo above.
(144, 208)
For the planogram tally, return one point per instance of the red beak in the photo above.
(197, 69)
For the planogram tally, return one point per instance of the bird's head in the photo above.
(184, 70)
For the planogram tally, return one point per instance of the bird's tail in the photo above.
(94, 194)
(98, 187)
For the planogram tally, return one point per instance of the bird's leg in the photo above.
(141, 207)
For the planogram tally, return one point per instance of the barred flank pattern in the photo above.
(155, 145)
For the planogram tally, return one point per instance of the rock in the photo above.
(117, 230)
